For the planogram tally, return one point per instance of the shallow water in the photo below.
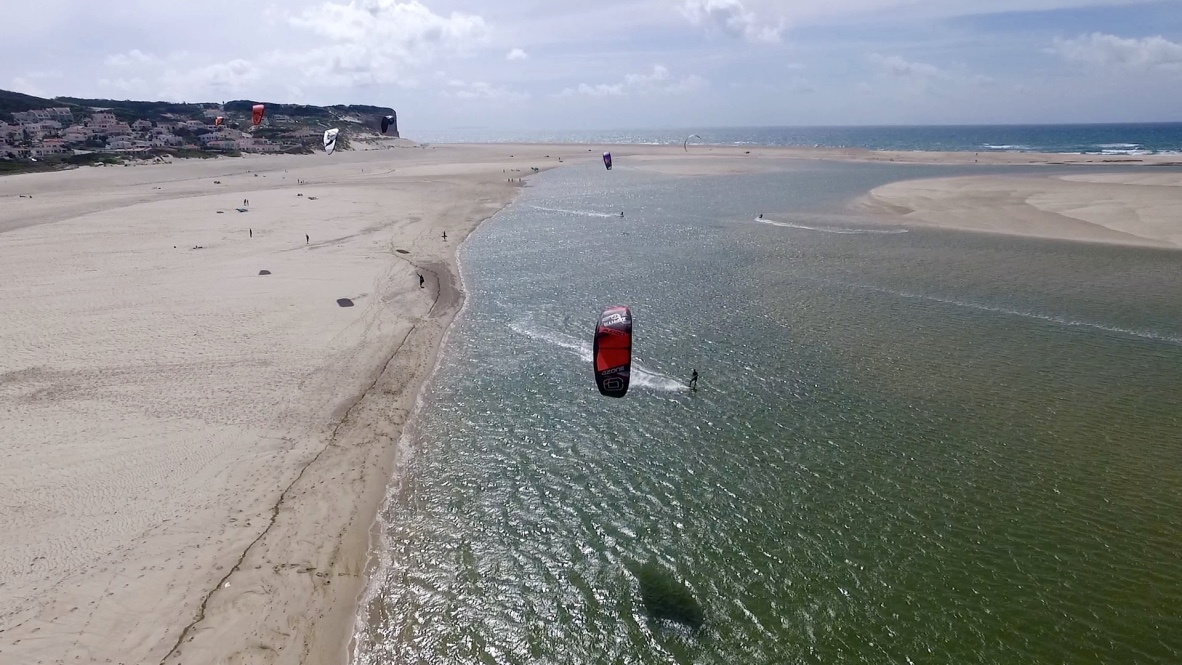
(918, 446)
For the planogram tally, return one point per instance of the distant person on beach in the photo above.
(421, 280)
(307, 239)
(251, 232)
(445, 235)
(694, 381)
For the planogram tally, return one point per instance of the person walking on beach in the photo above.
(307, 239)
(421, 280)
(251, 232)
(445, 235)
(694, 381)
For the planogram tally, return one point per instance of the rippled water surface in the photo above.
(908, 445)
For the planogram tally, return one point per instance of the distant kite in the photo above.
(330, 140)
(607, 160)
(386, 122)
(257, 112)
(685, 145)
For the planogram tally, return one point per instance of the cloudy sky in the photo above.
(602, 64)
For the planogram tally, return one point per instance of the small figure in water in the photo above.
(761, 215)
(694, 381)
(621, 213)
(421, 280)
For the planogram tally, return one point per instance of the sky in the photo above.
(604, 64)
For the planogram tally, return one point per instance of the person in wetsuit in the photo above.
(694, 381)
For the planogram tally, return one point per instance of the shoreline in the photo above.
(307, 402)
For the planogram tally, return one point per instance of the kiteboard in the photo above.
(612, 354)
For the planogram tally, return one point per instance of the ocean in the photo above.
(908, 445)
(1102, 139)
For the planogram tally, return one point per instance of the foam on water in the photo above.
(641, 377)
(830, 229)
(1063, 321)
(583, 213)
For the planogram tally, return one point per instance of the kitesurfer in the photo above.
(761, 215)
(307, 239)
(251, 232)
(694, 380)
(621, 213)
(421, 280)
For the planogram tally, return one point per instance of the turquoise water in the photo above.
(1105, 139)
(908, 445)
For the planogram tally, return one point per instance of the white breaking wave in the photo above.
(583, 213)
(831, 229)
(640, 376)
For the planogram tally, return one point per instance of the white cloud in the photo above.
(376, 41)
(460, 89)
(516, 54)
(134, 57)
(732, 18)
(1110, 50)
(656, 81)
(896, 66)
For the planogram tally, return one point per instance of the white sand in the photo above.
(194, 454)
(1122, 208)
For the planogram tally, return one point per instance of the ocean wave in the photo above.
(640, 376)
(1017, 147)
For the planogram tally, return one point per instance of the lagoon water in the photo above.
(908, 446)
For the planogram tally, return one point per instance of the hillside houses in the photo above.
(57, 131)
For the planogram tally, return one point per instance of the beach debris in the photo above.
(240, 209)
(344, 302)
(220, 212)
(264, 272)
(312, 198)
(299, 194)
(217, 182)
(402, 251)
(668, 598)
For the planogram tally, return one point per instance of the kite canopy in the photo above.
(386, 122)
(330, 140)
(607, 160)
(217, 122)
(685, 145)
(612, 355)
(256, 114)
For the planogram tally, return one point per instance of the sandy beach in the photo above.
(1120, 208)
(200, 407)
